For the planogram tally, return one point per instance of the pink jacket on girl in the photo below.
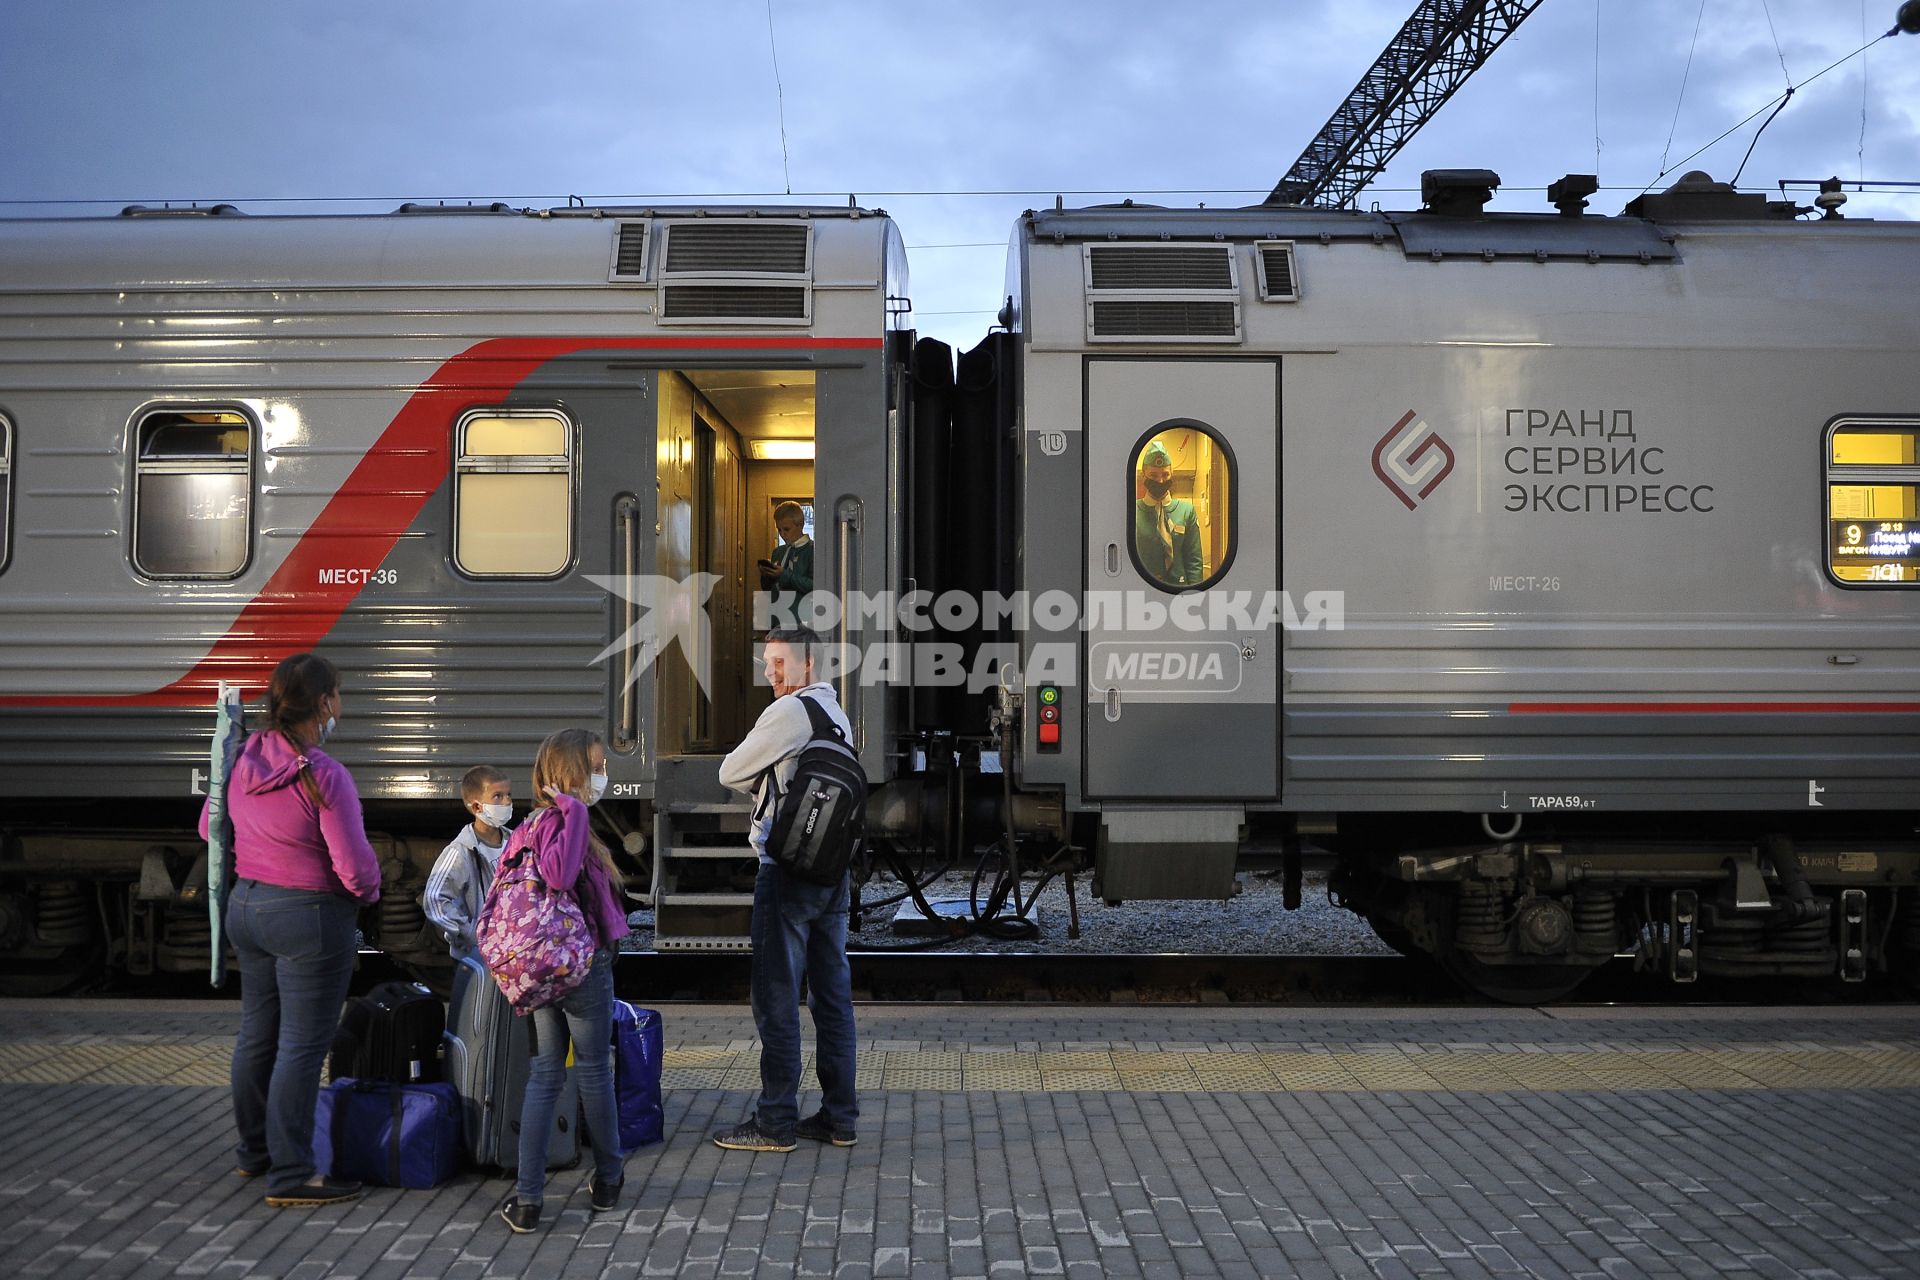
(559, 839)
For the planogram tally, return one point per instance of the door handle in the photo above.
(1113, 559)
(626, 524)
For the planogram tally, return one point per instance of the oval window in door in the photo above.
(1180, 482)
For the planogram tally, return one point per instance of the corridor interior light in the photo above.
(781, 450)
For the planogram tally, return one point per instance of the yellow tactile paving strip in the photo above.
(1240, 1069)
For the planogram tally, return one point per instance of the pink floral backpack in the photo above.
(533, 937)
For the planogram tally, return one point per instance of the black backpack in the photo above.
(820, 818)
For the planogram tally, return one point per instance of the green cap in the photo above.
(1156, 456)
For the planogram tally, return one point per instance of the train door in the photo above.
(1182, 552)
(731, 443)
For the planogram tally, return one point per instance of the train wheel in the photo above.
(1396, 937)
(1514, 983)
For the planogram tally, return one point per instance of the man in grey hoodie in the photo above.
(799, 929)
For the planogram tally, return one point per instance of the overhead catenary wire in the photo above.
(1860, 155)
(1596, 89)
(1785, 75)
(1686, 74)
(1775, 102)
(536, 199)
(780, 101)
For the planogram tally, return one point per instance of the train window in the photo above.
(192, 493)
(6, 484)
(1873, 502)
(513, 494)
(1180, 480)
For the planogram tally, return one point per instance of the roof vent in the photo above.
(736, 271)
(1278, 283)
(1457, 193)
(629, 252)
(688, 303)
(414, 206)
(711, 247)
(1696, 197)
(1167, 292)
(196, 211)
(1569, 195)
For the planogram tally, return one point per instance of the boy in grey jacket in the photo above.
(464, 870)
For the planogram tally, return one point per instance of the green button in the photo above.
(1049, 694)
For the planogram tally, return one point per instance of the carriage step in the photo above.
(712, 942)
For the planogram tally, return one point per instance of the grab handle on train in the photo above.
(626, 721)
(1113, 559)
(846, 515)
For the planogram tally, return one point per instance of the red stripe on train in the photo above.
(378, 502)
(1710, 708)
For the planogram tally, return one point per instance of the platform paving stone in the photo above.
(1049, 1141)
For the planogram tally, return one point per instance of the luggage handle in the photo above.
(393, 1143)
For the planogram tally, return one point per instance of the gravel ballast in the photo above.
(1253, 922)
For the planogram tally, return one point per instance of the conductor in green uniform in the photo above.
(1166, 536)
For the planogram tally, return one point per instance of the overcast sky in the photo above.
(119, 101)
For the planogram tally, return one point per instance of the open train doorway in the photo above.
(735, 452)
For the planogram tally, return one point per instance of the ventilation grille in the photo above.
(1162, 293)
(737, 248)
(1138, 318)
(630, 252)
(1176, 268)
(778, 304)
(1277, 280)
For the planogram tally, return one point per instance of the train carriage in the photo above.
(1556, 572)
(457, 450)
(1619, 513)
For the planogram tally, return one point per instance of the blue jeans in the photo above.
(800, 930)
(295, 948)
(586, 1017)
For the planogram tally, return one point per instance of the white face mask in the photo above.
(596, 787)
(326, 730)
(496, 815)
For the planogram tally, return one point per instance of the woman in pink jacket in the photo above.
(302, 869)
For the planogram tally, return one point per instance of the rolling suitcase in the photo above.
(488, 1061)
(637, 1042)
(386, 1133)
(391, 1033)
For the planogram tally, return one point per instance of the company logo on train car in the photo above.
(1412, 459)
(666, 611)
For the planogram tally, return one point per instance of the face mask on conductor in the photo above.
(1159, 489)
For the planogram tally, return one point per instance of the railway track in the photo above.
(1149, 979)
(1196, 979)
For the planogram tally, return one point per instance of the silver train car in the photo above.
(1555, 572)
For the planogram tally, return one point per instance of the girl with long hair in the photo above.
(569, 775)
(302, 868)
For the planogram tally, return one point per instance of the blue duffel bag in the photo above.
(636, 1074)
(392, 1135)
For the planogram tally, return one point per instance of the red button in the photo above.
(1049, 715)
(1050, 735)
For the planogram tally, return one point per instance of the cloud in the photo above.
(233, 99)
